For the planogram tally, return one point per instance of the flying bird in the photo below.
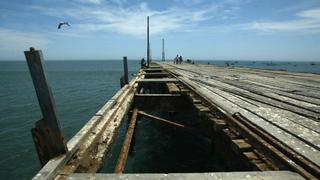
(63, 23)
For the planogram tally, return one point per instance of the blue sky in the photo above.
(196, 29)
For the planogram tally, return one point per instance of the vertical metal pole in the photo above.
(47, 134)
(125, 69)
(148, 43)
(163, 53)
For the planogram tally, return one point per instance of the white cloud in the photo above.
(189, 2)
(308, 20)
(91, 1)
(313, 13)
(13, 43)
(131, 20)
(119, 2)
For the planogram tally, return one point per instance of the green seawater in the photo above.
(80, 88)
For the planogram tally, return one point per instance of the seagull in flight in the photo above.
(63, 23)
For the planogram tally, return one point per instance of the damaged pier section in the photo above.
(259, 130)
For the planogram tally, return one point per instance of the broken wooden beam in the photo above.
(126, 144)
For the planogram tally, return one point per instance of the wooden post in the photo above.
(125, 69)
(122, 81)
(47, 134)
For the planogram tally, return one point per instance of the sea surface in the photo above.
(80, 88)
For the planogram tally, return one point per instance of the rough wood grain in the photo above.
(284, 104)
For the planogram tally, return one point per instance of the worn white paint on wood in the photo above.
(92, 131)
(252, 175)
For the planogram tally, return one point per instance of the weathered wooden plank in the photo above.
(281, 91)
(89, 133)
(155, 75)
(266, 175)
(158, 95)
(311, 111)
(248, 74)
(227, 106)
(271, 94)
(240, 145)
(310, 137)
(96, 155)
(173, 88)
(297, 141)
(160, 80)
(201, 108)
(283, 114)
(238, 80)
(302, 108)
(126, 144)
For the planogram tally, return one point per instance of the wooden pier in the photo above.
(262, 120)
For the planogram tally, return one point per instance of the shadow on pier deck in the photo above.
(264, 125)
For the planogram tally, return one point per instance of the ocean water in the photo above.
(80, 88)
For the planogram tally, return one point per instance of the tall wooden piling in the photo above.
(47, 134)
(125, 70)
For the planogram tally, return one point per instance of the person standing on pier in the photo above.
(175, 61)
(143, 63)
(180, 59)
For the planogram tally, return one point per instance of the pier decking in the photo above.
(259, 119)
(285, 105)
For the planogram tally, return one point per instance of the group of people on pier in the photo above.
(178, 59)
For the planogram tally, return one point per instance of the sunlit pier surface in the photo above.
(263, 124)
